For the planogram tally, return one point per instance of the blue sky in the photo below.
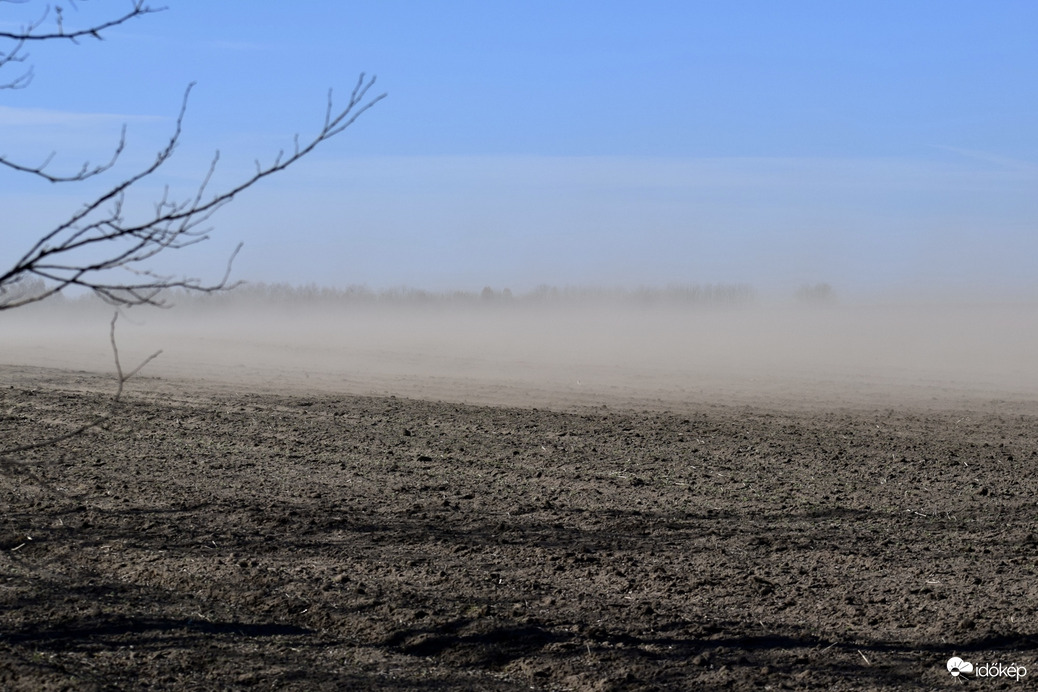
(878, 146)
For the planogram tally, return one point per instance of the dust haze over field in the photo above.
(645, 349)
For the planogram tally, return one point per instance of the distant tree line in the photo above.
(282, 294)
(816, 294)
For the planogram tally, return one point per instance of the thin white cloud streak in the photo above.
(996, 159)
(11, 117)
(240, 46)
(32, 133)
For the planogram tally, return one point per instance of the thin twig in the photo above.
(94, 423)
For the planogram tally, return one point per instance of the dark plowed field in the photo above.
(206, 540)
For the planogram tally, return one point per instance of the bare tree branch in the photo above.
(86, 171)
(14, 54)
(102, 236)
(29, 33)
(60, 255)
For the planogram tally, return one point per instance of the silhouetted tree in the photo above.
(103, 235)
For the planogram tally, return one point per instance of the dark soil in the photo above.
(207, 540)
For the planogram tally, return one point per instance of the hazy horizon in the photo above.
(619, 349)
(689, 293)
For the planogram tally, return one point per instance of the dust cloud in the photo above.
(562, 353)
